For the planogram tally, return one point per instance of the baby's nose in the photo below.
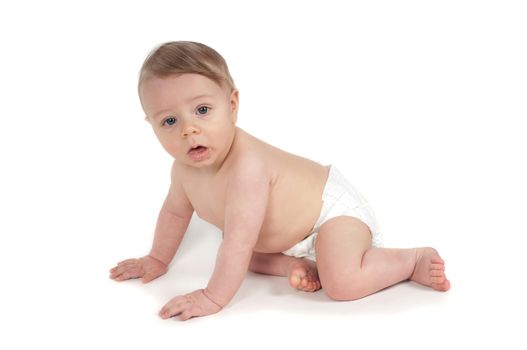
(191, 129)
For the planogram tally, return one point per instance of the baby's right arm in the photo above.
(171, 226)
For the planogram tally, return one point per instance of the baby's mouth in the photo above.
(198, 152)
(197, 149)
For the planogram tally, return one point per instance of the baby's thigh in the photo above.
(340, 245)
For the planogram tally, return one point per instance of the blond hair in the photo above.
(179, 57)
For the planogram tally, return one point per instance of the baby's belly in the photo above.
(284, 228)
(294, 207)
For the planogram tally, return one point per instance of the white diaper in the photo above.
(340, 199)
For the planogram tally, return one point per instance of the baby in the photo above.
(280, 214)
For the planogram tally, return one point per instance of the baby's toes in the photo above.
(310, 285)
(304, 284)
(306, 281)
(437, 280)
(443, 286)
(313, 286)
(437, 267)
(437, 273)
(437, 260)
(307, 285)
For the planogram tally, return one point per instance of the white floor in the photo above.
(59, 294)
(420, 104)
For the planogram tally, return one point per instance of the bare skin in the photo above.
(264, 199)
(147, 268)
(429, 270)
(301, 273)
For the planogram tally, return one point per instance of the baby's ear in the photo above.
(235, 102)
(146, 119)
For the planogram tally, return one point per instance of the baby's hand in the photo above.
(189, 305)
(146, 267)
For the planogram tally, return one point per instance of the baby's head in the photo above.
(190, 99)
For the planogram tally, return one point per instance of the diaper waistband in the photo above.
(337, 186)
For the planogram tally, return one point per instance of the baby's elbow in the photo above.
(240, 242)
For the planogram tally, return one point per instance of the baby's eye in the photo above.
(203, 110)
(170, 121)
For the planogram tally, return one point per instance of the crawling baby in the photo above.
(280, 214)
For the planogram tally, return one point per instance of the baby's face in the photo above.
(191, 110)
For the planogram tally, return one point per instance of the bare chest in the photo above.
(208, 199)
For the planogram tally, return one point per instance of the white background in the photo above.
(419, 103)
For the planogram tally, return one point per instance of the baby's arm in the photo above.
(246, 202)
(172, 223)
(171, 226)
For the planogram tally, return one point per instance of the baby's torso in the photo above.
(295, 197)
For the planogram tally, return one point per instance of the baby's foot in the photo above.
(303, 275)
(430, 270)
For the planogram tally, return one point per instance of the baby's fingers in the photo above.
(127, 261)
(174, 307)
(123, 264)
(118, 270)
(124, 273)
(187, 314)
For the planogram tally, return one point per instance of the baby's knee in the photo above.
(341, 292)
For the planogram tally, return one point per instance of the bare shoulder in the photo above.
(252, 159)
(250, 163)
(246, 198)
(249, 168)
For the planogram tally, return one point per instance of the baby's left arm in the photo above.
(245, 205)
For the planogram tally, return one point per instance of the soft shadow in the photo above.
(194, 264)
(262, 292)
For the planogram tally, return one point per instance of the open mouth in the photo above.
(197, 148)
(198, 152)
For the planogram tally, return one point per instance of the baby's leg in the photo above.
(350, 268)
(302, 273)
